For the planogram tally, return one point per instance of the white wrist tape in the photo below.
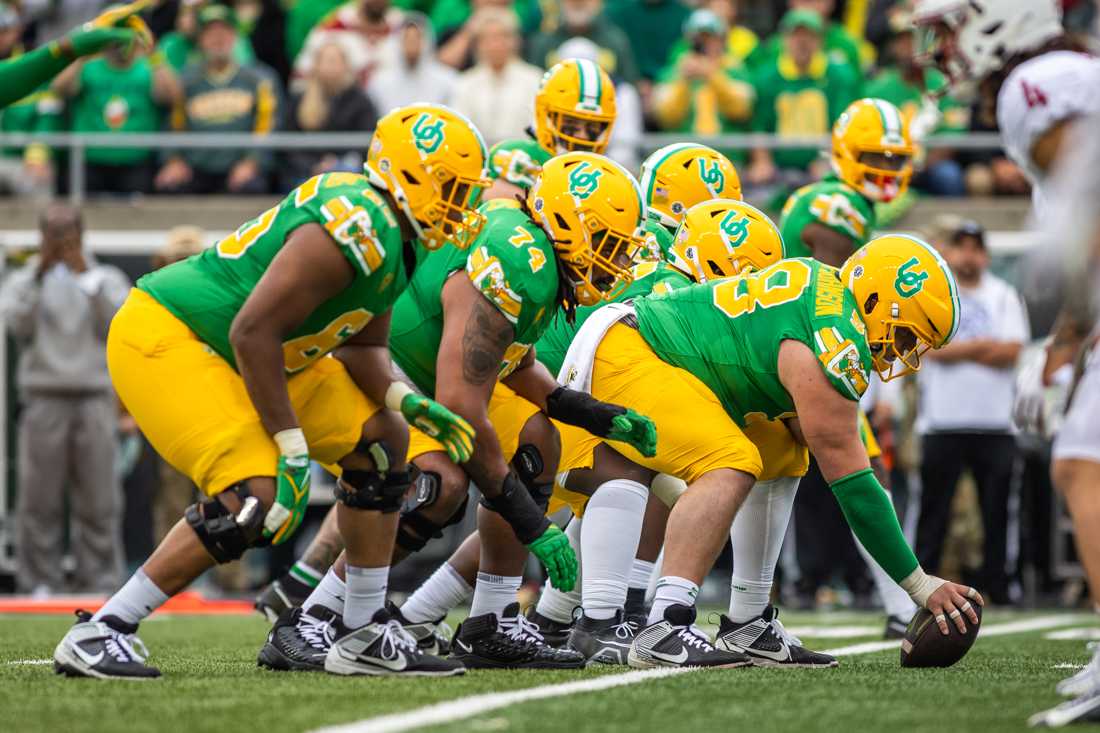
(291, 442)
(919, 585)
(395, 394)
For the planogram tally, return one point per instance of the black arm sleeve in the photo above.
(519, 509)
(573, 407)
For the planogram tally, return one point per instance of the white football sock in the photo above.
(757, 537)
(133, 601)
(557, 605)
(437, 596)
(366, 594)
(671, 590)
(329, 593)
(493, 593)
(894, 598)
(609, 541)
(640, 573)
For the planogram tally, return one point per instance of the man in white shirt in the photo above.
(497, 93)
(965, 415)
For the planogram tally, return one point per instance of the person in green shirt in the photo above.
(180, 46)
(653, 27)
(223, 361)
(118, 25)
(123, 90)
(585, 18)
(799, 93)
(838, 44)
(919, 92)
(705, 92)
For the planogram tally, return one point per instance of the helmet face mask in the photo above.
(898, 353)
(572, 131)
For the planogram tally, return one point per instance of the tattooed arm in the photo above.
(475, 337)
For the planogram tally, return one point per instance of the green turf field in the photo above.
(211, 684)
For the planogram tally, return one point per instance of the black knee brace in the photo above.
(413, 519)
(528, 465)
(373, 491)
(224, 535)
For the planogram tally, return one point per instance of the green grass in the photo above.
(211, 684)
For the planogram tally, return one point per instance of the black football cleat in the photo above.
(604, 641)
(299, 641)
(674, 641)
(432, 637)
(383, 647)
(554, 633)
(766, 641)
(481, 642)
(281, 594)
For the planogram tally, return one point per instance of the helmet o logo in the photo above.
(584, 180)
(427, 134)
(734, 230)
(908, 283)
(713, 177)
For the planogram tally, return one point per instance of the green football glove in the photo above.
(116, 26)
(556, 555)
(434, 420)
(291, 487)
(637, 430)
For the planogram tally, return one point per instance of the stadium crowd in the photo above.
(695, 69)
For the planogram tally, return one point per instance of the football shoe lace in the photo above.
(318, 633)
(518, 628)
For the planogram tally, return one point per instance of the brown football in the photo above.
(925, 646)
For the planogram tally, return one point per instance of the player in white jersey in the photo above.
(1044, 94)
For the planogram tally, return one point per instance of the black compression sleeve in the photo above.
(515, 504)
(573, 407)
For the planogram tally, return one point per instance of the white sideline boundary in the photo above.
(452, 711)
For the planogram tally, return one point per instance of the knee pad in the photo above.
(412, 517)
(528, 463)
(226, 535)
(373, 491)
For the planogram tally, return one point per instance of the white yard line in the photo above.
(31, 661)
(453, 711)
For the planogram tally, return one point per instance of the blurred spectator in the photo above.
(990, 172)
(799, 93)
(585, 18)
(965, 414)
(25, 170)
(55, 18)
(303, 17)
(179, 47)
(417, 76)
(370, 31)
(626, 134)
(653, 27)
(58, 307)
(121, 90)
(838, 44)
(454, 21)
(220, 95)
(706, 92)
(331, 102)
(906, 84)
(263, 23)
(498, 94)
(740, 40)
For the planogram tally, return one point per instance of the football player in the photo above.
(872, 161)
(222, 359)
(574, 110)
(1043, 92)
(674, 179)
(796, 340)
(472, 320)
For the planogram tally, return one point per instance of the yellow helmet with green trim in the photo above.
(872, 149)
(574, 107)
(722, 238)
(907, 298)
(678, 176)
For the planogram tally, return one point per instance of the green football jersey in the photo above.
(511, 262)
(517, 161)
(207, 290)
(831, 202)
(727, 333)
(649, 277)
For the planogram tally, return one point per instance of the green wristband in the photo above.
(867, 507)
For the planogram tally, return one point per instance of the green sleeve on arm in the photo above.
(21, 76)
(871, 516)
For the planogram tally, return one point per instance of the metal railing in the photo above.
(77, 144)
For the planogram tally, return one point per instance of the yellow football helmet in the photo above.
(432, 161)
(680, 175)
(592, 210)
(907, 298)
(722, 238)
(872, 149)
(574, 107)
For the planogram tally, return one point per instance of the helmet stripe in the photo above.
(891, 119)
(653, 163)
(590, 84)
